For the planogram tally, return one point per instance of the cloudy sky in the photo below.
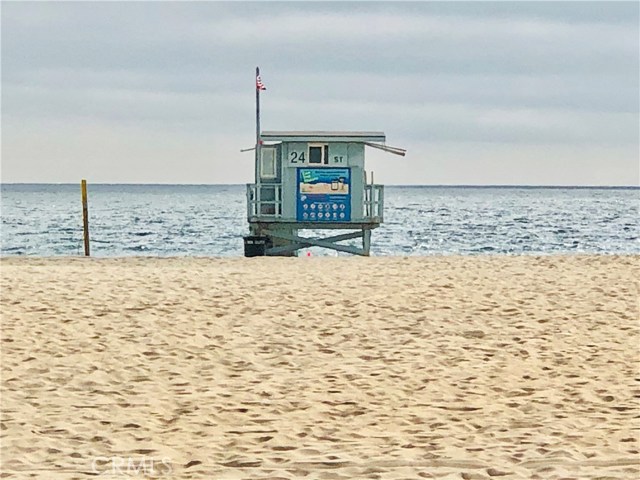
(479, 93)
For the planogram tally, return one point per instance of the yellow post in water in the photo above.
(85, 217)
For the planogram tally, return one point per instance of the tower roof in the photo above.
(323, 136)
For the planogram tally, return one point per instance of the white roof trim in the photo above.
(323, 135)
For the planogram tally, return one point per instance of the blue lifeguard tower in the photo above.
(312, 180)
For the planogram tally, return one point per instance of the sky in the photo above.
(526, 93)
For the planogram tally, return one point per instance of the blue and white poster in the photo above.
(324, 195)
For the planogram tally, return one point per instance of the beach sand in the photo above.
(321, 368)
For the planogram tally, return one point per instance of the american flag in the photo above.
(259, 84)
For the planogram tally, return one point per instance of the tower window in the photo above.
(268, 163)
(319, 154)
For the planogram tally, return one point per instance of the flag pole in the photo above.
(257, 124)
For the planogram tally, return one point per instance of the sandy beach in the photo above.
(321, 368)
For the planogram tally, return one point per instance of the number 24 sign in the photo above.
(298, 157)
(295, 157)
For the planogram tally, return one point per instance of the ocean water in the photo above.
(210, 220)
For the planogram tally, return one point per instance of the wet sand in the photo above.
(321, 368)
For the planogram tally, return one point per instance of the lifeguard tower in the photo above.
(312, 180)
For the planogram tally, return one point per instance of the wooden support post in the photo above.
(85, 217)
(366, 242)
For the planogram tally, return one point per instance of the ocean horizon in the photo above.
(453, 185)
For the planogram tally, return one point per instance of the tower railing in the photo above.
(264, 201)
(374, 202)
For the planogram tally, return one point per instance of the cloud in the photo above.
(560, 76)
(151, 37)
